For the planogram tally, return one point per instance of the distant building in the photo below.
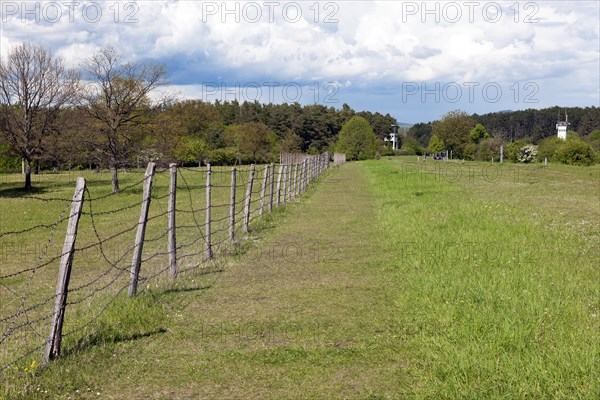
(561, 128)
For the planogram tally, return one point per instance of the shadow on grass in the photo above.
(187, 289)
(108, 336)
(15, 192)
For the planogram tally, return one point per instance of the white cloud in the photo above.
(373, 44)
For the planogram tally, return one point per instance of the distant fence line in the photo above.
(194, 235)
(339, 158)
(293, 158)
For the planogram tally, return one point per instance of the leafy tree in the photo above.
(454, 129)
(117, 97)
(479, 133)
(252, 141)
(357, 139)
(34, 86)
(421, 132)
(576, 152)
(436, 144)
(192, 150)
(291, 142)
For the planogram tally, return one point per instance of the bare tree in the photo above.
(34, 86)
(117, 97)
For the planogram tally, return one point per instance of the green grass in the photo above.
(392, 280)
(497, 274)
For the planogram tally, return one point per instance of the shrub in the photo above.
(595, 134)
(411, 147)
(527, 154)
(576, 152)
(513, 148)
(223, 156)
(469, 151)
(488, 149)
(548, 147)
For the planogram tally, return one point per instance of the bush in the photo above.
(595, 134)
(576, 152)
(548, 147)
(513, 148)
(411, 147)
(224, 156)
(469, 151)
(527, 154)
(489, 149)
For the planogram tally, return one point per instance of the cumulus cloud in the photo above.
(371, 45)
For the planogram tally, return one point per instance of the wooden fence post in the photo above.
(284, 189)
(52, 351)
(304, 174)
(232, 205)
(272, 189)
(172, 240)
(263, 190)
(279, 175)
(208, 245)
(295, 182)
(289, 183)
(141, 231)
(248, 199)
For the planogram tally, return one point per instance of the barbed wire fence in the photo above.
(189, 220)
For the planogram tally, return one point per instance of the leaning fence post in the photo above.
(172, 241)
(232, 206)
(271, 191)
(279, 175)
(263, 190)
(208, 246)
(141, 231)
(52, 351)
(248, 199)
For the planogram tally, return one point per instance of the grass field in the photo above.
(393, 279)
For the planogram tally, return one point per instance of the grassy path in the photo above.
(301, 315)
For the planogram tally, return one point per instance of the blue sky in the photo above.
(413, 59)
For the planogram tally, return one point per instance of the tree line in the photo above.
(480, 137)
(102, 115)
(527, 125)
